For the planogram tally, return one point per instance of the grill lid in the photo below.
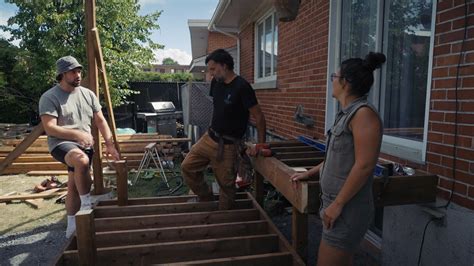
(161, 107)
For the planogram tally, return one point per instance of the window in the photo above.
(266, 54)
(403, 31)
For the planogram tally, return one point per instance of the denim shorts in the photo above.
(60, 151)
(350, 227)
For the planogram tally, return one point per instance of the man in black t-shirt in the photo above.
(234, 101)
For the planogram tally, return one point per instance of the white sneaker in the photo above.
(71, 229)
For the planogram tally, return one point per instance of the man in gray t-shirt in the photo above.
(67, 111)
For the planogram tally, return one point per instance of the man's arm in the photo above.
(257, 113)
(51, 127)
(104, 129)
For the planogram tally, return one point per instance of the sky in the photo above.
(173, 22)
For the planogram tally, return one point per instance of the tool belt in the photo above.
(224, 140)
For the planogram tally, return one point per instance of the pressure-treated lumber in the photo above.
(85, 231)
(35, 133)
(182, 251)
(43, 195)
(185, 207)
(167, 220)
(274, 259)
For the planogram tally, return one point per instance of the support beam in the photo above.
(92, 77)
(155, 209)
(181, 251)
(168, 220)
(258, 192)
(122, 182)
(105, 82)
(274, 259)
(299, 233)
(35, 133)
(179, 233)
(85, 232)
(163, 200)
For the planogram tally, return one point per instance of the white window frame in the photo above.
(395, 146)
(270, 81)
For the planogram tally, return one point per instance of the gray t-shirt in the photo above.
(73, 110)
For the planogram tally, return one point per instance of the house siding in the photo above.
(302, 77)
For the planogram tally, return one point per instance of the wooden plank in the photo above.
(163, 200)
(185, 207)
(299, 233)
(278, 174)
(295, 155)
(85, 233)
(105, 82)
(122, 183)
(35, 203)
(282, 242)
(179, 233)
(167, 220)
(35, 133)
(43, 195)
(286, 143)
(258, 192)
(400, 190)
(274, 259)
(93, 85)
(182, 251)
(294, 149)
(302, 161)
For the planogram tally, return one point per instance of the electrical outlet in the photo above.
(437, 214)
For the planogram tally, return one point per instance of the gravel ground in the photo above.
(39, 246)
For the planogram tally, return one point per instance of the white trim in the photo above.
(333, 49)
(396, 146)
(260, 85)
(428, 86)
(270, 13)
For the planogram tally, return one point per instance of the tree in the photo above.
(166, 77)
(48, 30)
(169, 61)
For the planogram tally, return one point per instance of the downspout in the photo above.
(222, 6)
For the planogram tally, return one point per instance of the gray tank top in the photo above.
(340, 154)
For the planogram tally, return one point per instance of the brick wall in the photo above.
(302, 62)
(448, 39)
(302, 69)
(218, 40)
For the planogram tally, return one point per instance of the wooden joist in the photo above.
(162, 200)
(233, 237)
(178, 233)
(188, 207)
(274, 259)
(43, 195)
(181, 251)
(167, 220)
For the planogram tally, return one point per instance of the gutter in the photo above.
(221, 8)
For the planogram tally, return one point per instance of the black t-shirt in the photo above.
(231, 106)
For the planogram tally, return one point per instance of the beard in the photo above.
(74, 83)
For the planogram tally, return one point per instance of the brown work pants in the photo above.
(203, 153)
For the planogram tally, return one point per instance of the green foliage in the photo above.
(48, 30)
(169, 61)
(168, 77)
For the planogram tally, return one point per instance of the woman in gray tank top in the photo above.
(352, 150)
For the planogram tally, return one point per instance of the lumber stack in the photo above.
(174, 231)
(37, 160)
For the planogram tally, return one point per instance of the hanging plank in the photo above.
(35, 133)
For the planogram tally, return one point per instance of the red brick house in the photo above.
(424, 93)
